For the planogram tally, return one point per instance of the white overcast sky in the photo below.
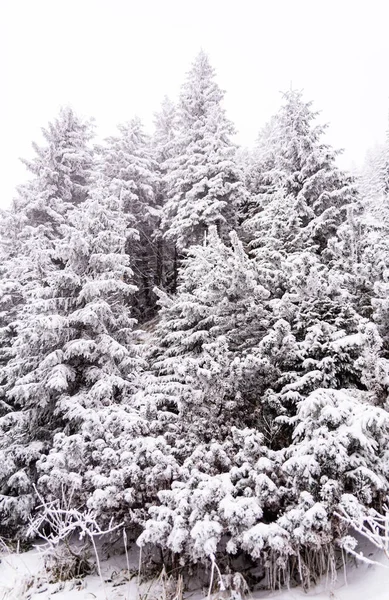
(113, 59)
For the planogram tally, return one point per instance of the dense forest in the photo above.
(194, 337)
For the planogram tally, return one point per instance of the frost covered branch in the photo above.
(374, 527)
(65, 522)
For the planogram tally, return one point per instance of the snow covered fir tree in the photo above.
(194, 341)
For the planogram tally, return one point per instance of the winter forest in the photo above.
(194, 340)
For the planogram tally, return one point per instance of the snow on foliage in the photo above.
(248, 423)
(204, 183)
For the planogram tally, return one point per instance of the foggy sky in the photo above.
(114, 59)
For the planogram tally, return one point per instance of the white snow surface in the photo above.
(22, 577)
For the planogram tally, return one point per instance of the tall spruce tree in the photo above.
(31, 232)
(73, 355)
(61, 172)
(96, 360)
(205, 185)
(298, 191)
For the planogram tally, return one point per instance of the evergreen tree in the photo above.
(62, 168)
(73, 354)
(374, 178)
(277, 508)
(220, 309)
(164, 147)
(205, 185)
(165, 129)
(298, 191)
(363, 252)
(61, 173)
(131, 175)
(98, 348)
(29, 235)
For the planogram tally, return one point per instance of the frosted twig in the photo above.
(374, 527)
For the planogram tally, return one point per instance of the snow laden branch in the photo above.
(57, 521)
(372, 526)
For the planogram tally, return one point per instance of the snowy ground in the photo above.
(22, 577)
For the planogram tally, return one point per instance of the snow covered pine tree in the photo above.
(30, 234)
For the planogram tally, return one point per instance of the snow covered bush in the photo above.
(277, 507)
